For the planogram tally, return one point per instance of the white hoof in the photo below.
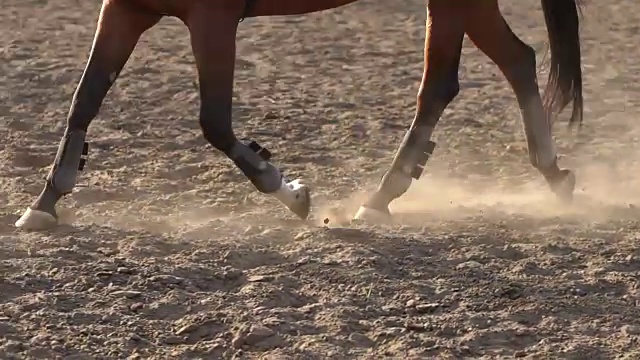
(367, 214)
(296, 196)
(36, 220)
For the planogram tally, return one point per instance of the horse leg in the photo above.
(439, 86)
(215, 58)
(487, 28)
(118, 30)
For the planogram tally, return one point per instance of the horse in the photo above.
(212, 26)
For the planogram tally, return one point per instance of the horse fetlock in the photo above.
(561, 181)
(70, 159)
(253, 160)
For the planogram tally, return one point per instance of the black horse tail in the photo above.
(565, 74)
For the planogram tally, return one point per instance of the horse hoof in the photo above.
(371, 215)
(295, 196)
(564, 186)
(36, 220)
(302, 206)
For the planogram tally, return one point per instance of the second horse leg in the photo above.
(439, 86)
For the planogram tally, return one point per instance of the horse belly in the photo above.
(294, 7)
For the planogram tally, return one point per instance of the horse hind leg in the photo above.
(118, 30)
(489, 31)
(215, 58)
(439, 86)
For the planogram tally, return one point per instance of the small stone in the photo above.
(302, 235)
(186, 329)
(107, 252)
(630, 330)
(390, 332)
(167, 279)
(14, 346)
(303, 261)
(361, 339)
(427, 308)
(417, 327)
(232, 274)
(39, 339)
(6, 328)
(447, 331)
(270, 116)
(411, 303)
(511, 293)
(258, 333)
(469, 265)
(127, 293)
(519, 354)
(124, 270)
(136, 306)
(271, 342)
(237, 342)
(173, 340)
(579, 292)
(258, 278)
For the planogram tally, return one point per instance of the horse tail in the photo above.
(565, 75)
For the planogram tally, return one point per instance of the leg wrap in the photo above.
(415, 151)
(409, 163)
(61, 180)
(70, 159)
(253, 160)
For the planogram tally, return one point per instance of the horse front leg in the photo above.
(118, 30)
(439, 86)
(215, 58)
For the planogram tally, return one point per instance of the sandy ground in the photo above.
(172, 253)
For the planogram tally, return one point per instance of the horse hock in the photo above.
(60, 181)
(408, 164)
(253, 160)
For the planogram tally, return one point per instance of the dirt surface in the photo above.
(172, 254)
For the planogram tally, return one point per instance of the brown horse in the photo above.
(213, 25)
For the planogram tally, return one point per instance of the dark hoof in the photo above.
(36, 220)
(564, 185)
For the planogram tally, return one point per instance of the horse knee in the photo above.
(443, 91)
(450, 88)
(434, 97)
